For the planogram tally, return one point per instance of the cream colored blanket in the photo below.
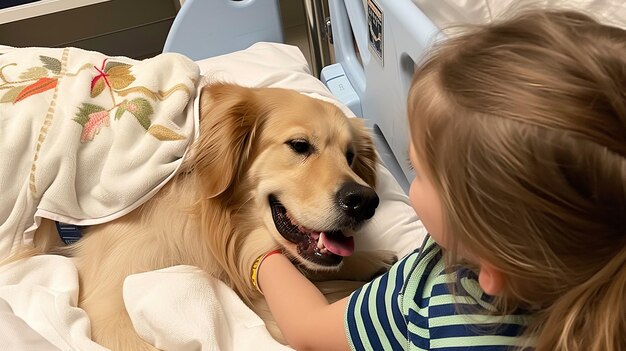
(86, 138)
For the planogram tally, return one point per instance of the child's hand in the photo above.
(291, 296)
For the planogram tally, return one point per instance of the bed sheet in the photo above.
(444, 13)
(181, 308)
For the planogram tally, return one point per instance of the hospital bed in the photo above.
(377, 45)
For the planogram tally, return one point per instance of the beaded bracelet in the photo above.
(254, 274)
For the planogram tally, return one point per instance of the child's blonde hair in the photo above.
(521, 125)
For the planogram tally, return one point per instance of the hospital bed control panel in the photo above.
(337, 82)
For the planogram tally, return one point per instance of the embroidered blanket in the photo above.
(86, 138)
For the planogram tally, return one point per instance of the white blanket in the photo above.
(181, 308)
(86, 138)
(178, 309)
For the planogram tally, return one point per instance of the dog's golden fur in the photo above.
(215, 213)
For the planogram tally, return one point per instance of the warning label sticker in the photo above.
(375, 30)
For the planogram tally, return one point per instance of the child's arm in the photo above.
(303, 314)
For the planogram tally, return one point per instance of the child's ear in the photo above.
(491, 279)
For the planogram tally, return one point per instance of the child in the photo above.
(518, 136)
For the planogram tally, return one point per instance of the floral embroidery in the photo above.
(163, 133)
(113, 77)
(34, 73)
(51, 63)
(41, 85)
(92, 118)
(20, 89)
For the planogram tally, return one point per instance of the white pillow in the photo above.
(395, 226)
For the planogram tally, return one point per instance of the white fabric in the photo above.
(178, 309)
(43, 291)
(17, 335)
(444, 13)
(78, 151)
(197, 311)
(181, 308)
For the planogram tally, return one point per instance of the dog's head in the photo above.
(297, 165)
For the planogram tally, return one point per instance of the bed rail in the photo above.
(225, 26)
(400, 33)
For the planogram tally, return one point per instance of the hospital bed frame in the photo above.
(375, 51)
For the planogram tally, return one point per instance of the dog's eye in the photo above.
(350, 157)
(300, 146)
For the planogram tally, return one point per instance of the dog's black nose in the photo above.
(357, 201)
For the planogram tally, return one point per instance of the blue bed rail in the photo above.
(207, 28)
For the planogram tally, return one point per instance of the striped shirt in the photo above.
(411, 308)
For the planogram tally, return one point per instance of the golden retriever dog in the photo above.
(272, 168)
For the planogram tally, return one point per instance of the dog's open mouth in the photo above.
(326, 248)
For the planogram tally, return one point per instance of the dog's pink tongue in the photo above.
(337, 243)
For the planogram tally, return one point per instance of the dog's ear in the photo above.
(228, 117)
(365, 160)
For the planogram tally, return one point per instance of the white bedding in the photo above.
(180, 308)
(444, 13)
(85, 170)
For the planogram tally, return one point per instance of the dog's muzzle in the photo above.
(325, 248)
(357, 203)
